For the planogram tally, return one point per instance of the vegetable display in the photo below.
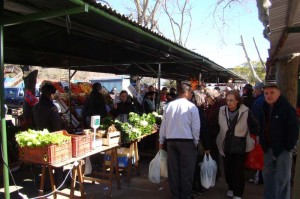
(32, 138)
(137, 126)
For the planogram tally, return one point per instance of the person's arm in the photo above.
(103, 107)
(162, 131)
(292, 125)
(195, 124)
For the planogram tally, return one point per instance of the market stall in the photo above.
(40, 33)
(58, 149)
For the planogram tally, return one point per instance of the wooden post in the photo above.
(287, 77)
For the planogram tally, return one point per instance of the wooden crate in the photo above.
(112, 138)
(81, 144)
(47, 154)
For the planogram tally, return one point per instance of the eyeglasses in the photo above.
(230, 100)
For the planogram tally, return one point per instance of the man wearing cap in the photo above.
(278, 138)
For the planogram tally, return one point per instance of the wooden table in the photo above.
(134, 155)
(78, 163)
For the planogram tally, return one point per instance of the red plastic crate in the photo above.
(81, 144)
(47, 154)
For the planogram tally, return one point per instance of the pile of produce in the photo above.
(85, 87)
(32, 138)
(137, 126)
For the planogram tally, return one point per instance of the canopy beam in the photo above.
(44, 15)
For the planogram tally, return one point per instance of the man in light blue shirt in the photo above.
(180, 128)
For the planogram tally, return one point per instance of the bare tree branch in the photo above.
(138, 9)
(153, 13)
(249, 62)
(144, 11)
(164, 6)
(220, 18)
(189, 29)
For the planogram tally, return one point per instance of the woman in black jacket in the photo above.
(123, 108)
(95, 105)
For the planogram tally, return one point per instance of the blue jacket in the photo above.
(284, 127)
(257, 110)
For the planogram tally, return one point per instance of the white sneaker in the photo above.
(229, 193)
(236, 197)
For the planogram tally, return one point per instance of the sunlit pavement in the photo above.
(139, 186)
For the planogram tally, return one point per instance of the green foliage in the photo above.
(169, 83)
(105, 123)
(137, 126)
(245, 72)
(32, 138)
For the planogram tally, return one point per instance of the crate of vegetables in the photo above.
(43, 147)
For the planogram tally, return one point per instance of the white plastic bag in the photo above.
(88, 166)
(163, 163)
(158, 167)
(208, 171)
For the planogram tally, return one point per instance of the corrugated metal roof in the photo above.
(99, 40)
(283, 15)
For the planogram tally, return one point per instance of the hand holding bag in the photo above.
(255, 158)
(208, 171)
(158, 167)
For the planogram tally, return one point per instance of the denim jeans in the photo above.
(277, 175)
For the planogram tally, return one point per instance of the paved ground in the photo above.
(139, 187)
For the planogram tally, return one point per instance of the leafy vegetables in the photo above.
(137, 126)
(32, 138)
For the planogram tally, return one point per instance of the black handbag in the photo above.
(233, 145)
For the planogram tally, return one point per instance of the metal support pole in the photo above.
(3, 121)
(158, 92)
(69, 92)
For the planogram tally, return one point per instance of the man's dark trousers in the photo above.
(182, 157)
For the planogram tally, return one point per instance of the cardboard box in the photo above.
(123, 157)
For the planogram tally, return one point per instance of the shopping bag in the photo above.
(88, 166)
(154, 169)
(208, 171)
(163, 164)
(158, 167)
(255, 158)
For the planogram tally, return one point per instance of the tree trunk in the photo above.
(287, 77)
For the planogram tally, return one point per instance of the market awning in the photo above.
(89, 37)
(282, 23)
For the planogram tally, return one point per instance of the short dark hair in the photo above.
(150, 93)
(97, 86)
(183, 88)
(123, 91)
(47, 90)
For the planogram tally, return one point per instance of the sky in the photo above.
(220, 45)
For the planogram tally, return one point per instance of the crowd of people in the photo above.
(227, 126)
(224, 124)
